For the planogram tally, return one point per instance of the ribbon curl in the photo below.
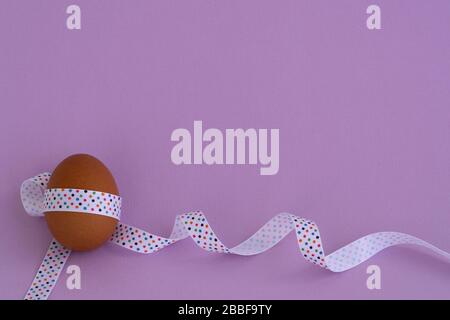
(36, 201)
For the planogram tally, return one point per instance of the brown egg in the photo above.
(74, 230)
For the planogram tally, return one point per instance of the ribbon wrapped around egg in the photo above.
(81, 204)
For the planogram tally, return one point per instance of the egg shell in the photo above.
(74, 230)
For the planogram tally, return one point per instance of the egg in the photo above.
(74, 230)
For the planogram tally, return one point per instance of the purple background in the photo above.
(364, 136)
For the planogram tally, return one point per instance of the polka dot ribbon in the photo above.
(37, 199)
(194, 225)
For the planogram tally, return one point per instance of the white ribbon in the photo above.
(195, 226)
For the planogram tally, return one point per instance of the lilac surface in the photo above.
(364, 137)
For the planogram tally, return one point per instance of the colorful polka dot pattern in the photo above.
(362, 249)
(138, 240)
(48, 273)
(309, 240)
(37, 199)
(32, 194)
(84, 201)
(195, 226)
